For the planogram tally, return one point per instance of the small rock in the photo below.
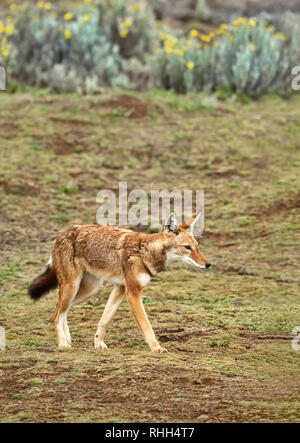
(203, 417)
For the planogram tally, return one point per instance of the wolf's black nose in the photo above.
(207, 265)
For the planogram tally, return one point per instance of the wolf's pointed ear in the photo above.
(190, 223)
(193, 224)
(171, 225)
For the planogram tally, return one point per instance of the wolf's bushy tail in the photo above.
(42, 284)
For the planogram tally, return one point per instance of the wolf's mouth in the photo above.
(190, 261)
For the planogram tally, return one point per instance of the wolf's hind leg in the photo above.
(89, 286)
(67, 292)
(114, 301)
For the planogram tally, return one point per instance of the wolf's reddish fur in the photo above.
(84, 256)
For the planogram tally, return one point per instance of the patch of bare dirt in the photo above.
(180, 335)
(223, 173)
(17, 187)
(61, 144)
(243, 271)
(8, 129)
(72, 122)
(130, 106)
(265, 336)
(278, 207)
(220, 236)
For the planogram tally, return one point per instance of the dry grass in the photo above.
(228, 330)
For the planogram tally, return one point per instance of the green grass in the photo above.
(228, 331)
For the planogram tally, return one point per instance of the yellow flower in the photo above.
(40, 5)
(21, 7)
(68, 16)
(194, 33)
(270, 28)
(205, 38)
(188, 42)
(4, 52)
(13, 7)
(280, 35)
(4, 41)
(199, 46)
(224, 26)
(253, 47)
(68, 34)
(168, 48)
(9, 29)
(190, 65)
(127, 23)
(252, 23)
(240, 21)
(124, 33)
(48, 6)
(87, 2)
(134, 8)
(1, 27)
(178, 52)
(86, 18)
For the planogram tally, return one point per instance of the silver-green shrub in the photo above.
(130, 25)
(248, 57)
(78, 51)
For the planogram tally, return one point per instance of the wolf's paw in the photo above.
(64, 346)
(100, 345)
(159, 350)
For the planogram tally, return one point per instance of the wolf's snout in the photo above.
(207, 265)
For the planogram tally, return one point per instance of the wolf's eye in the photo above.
(187, 247)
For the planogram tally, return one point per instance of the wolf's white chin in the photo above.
(190, 261)
(172, 258)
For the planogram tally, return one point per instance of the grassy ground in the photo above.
(228, 331)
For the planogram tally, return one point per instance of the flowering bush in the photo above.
(118, 43)
(130, 25)
(76, 51)
(247, 56)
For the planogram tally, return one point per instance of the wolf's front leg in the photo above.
(134, 298)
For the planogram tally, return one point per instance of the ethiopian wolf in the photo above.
(85, 256)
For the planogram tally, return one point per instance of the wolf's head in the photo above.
(182, 246)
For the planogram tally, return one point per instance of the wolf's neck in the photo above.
(153, 253)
